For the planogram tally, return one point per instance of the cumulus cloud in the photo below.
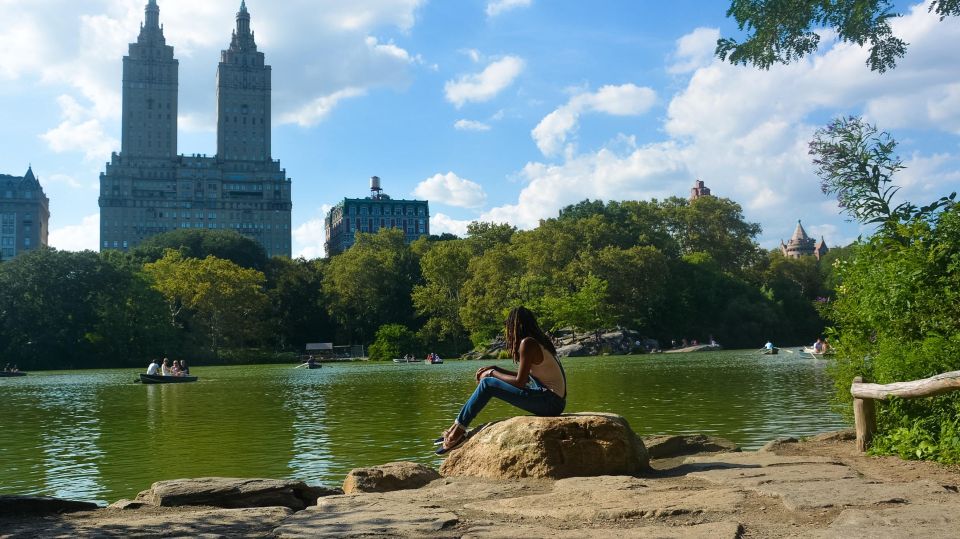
(484, 86)
(314, 112)
(309, 236)
(79, 131)
(496, 7)
(81, 237)
(624, 100)
(694, 50)
(637, 172)
(470, 125)
(440, 223)
(451, 190)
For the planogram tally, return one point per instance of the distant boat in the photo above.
(160, 379)
(437, 361)
(809, 350)
(314, 365)
(695, 348)
(406, 360)
(9, 374)
(771, 351)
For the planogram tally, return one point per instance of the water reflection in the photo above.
(98, 436)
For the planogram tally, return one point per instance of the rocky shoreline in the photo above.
(694, 486)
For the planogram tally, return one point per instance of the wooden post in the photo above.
(865, 419)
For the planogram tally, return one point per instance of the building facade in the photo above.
(148, 188)
(370, 214)
(24, 214)
(802, 245)
(698, 190)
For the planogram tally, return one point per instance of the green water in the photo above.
(95, 435)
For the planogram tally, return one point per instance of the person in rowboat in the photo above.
(153, 367)
(539, 385)
(165, 368)
(184, 370)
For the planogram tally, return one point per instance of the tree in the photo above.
(636, 282)
(855, 161)
(393, 341)
(201, 243)
(493, 286)
(714, 226)
(297, 305)
(227, 300)
(369, 285)
(585, 309)
(439, 298)
(782, 31)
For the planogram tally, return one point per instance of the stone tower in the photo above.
(802, 245)
(243, 97)
(149, 125)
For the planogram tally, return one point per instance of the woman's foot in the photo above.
(452, 438)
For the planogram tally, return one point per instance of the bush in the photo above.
(393, 341)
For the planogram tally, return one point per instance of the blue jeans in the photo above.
(534, 398)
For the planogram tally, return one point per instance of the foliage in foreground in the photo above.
(897, 310)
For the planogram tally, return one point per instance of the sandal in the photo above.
(452, 439)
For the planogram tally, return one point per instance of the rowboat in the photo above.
(313, 365)
(809, 350)
(160, 379)
(9, 374)
(406, 360)
(771, 351)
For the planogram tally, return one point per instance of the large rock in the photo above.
(232, 493)
(572, 445)
(41, 505)
(388, 477)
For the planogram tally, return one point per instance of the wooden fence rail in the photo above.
(864, 395)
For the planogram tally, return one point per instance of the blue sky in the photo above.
(502, 110)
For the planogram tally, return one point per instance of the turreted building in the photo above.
(24, 214)
(802, 245)
(147, 188)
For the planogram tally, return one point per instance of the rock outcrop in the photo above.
(572, 445)
(232, 493)
(667, 446)
(388, 477)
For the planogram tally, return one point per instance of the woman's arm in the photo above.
(530, 354)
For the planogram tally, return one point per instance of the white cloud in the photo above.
(624, 100)
(79, 131)
(496, 7)
(694, 50)
(82, 237)
(470, 125)
(485, 85)
(451, 190)
(314, 112)
(652, 171)
(68, 180)
(308, 237)
(440, 223)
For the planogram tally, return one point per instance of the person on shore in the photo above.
(165, 367)
(539, 385)
(153, 367)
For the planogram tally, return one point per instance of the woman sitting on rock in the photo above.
(539, 386)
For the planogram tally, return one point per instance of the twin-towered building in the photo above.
(148, 188)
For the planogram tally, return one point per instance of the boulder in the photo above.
(777, 444)
(14, 505)
(573, 350)
(662, 447)
(388, 477)
(571, 445)
(232, 493)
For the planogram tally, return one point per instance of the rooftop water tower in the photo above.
(375, 190)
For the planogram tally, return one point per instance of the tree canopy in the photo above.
(783, 31)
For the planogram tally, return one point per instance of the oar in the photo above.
(301, 365)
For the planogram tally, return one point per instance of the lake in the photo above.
(97, 436)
